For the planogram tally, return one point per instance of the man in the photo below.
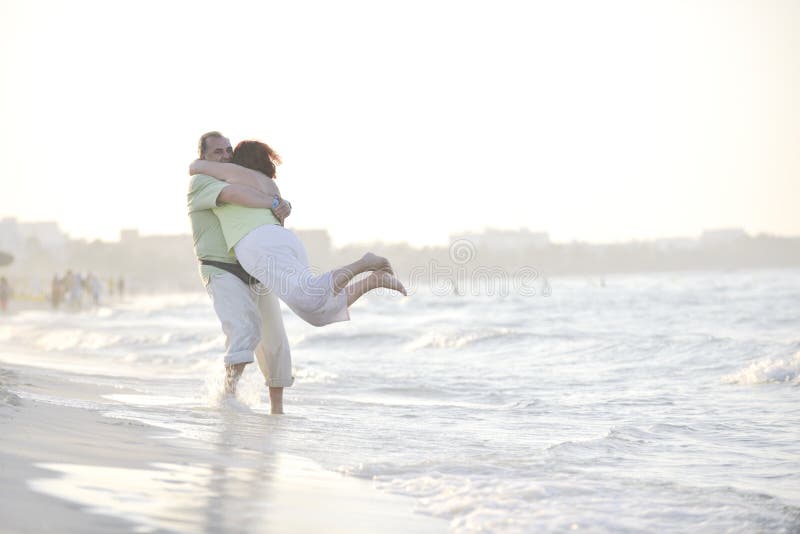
(5, 293)
(250, 319)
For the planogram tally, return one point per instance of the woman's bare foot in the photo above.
(375, 280)
(377, 263)
(387, 280)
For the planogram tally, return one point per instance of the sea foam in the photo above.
(768, 370)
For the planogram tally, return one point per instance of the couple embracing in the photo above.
(237, 215)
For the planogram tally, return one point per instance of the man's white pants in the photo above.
(252, 322)
(277, 258)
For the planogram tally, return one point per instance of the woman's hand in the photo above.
(194, 167)
(283, 210)
(211, 168)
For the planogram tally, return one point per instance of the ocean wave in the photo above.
(473, 504)
(541, 502)
(621, 441)
(8, 398)
(60, 340)
(84, 340)
(460, 340)
(768, 370)
(421, 390)
(310, 375)
(348, 339)
(524, 405)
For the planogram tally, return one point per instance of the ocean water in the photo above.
(666, 402)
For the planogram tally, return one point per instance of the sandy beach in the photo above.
(68, 467)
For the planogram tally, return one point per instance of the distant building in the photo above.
(503, 241)
(47, 234)
(128, 235)
(316, 239)
(722, 236)
(24, 240)
(675, 244)
(318, 245)
(10, 238)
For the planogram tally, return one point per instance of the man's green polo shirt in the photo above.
(209, 241)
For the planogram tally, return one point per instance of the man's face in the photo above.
(218, 149)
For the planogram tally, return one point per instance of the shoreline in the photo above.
(76, 469)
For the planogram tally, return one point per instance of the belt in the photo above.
(234, 268)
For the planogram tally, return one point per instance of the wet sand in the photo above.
(67, 465)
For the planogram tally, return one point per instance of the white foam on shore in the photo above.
(249, 390)
(768, 370)
(149, 400)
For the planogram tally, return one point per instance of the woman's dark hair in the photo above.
(257, 156)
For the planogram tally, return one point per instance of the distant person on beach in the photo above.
(251, 320)
(93, 287)
(74, 290)
(56, 291)
(121, 287)
(5, 293)
(275, 256)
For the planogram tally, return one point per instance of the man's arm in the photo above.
(235, 174)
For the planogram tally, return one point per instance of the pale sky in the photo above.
(409, 121)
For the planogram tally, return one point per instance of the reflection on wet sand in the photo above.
(243, 476)
(231, 480)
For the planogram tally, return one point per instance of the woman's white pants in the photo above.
(276, 257)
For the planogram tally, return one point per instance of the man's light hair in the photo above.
(201, 146)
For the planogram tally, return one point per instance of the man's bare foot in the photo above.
(232, 375)
(276, 400)
(387, 280)
(377, 263)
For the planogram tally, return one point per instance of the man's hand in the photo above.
(283, 210)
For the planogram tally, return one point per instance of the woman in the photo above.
(275, 256)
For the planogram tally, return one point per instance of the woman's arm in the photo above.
(235, 174)
(245, 196)
(241, 195)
